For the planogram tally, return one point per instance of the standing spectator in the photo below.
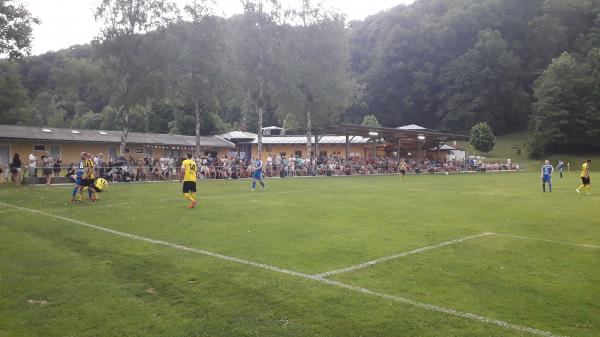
(164, 169)
(292, 167)
(284, 165)
(15, 169)
(57, 167)
(32, 165)
(47, 168)
(277, 166)
(179, 163)
(1, 172)
(99, 161)
(561, 167)
(104, 169)
(171, 164)
(270, 165)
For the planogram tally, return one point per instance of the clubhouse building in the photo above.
(342, 141)
(67, 144)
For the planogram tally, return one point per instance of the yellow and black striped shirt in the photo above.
(88, 166)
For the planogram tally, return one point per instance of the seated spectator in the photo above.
(156, 173)
(71, 172)
(140, 172)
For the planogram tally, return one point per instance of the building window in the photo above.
(5, 154)
(173, 153)
(39, 148)
(139, 150)
(112, 153)
(322, 153)
(55, 151)
(298, 154)
(127, 150)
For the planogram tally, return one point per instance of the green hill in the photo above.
(514, 146)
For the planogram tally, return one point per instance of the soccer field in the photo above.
(458, 255)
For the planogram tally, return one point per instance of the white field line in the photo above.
(398, 299)
(7, 210)
(522, 237)
(396, 256)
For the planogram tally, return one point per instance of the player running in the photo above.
(546, 176)
(585, 177)
(188, 175)
(89, 175)
(76, 197)
(257, 167)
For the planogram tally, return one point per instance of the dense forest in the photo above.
(514, 64)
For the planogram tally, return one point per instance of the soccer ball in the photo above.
(101, 184)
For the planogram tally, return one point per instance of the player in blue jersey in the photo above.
(560, 167)
(76, 197)
(257, 175)
(546, 175)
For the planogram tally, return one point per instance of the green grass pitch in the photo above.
(540, 272)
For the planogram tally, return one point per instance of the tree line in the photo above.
(515, 65)
(453, 64)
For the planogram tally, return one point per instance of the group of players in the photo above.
(189, 170)
(548, 170)
(85, 179)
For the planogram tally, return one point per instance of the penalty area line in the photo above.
(365, 291)
(396, 256)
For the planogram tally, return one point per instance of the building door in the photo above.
(4, 156)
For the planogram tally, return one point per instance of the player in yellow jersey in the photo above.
(585, 177)
(89, 175)
(188, 175)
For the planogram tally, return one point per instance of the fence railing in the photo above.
(123, 173)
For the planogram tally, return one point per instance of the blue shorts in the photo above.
(78, 181)
(257, 175)
(547, 179)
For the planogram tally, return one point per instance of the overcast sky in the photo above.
(69, 22)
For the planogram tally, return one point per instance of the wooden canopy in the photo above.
(411, 137)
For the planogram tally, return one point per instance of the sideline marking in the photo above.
(522, 237)
(396, 256)
(398, 299)
(7, 210)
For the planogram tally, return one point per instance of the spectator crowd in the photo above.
(130, 169)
